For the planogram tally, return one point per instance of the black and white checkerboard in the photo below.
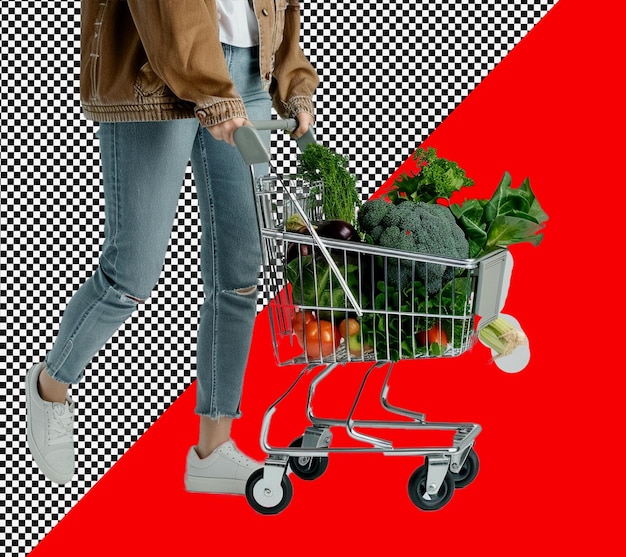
(391, 72)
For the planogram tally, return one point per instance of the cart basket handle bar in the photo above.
(251, 146)
(254, 151)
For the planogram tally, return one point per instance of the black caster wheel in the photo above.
(468, 472)
(267, 499)
(421, 498)
(307, 467)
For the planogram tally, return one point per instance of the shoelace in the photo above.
(62, 423)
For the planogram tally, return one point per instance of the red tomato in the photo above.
(321, 333)
(435, 334)
(298, 323)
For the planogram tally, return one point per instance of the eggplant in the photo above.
(334, 229)
(337, 230)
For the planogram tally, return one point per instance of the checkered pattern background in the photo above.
(391, 72)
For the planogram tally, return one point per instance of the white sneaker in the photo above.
(225, 470)
(50, 431)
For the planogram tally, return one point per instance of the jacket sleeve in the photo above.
(180, 38)
(294, 78)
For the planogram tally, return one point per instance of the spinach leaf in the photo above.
(470, 218)
(512, 215)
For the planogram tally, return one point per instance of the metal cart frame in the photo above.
(430, 487)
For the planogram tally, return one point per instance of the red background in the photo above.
(552, 110)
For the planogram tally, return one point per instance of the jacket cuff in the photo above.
(218, 110)
(296, 105)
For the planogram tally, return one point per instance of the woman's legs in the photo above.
(231, 258)
(143, 166)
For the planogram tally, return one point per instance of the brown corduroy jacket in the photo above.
(162, 60)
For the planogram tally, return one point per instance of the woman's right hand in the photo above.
(225, 131)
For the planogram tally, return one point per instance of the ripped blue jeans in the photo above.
(143, 168)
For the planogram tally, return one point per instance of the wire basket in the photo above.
(276, 206)
(411, 305)
(403, 305)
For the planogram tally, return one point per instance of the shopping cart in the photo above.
(389, 295)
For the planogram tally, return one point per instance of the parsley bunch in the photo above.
(436, 178)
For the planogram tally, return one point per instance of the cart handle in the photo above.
(252, 147)
(254, 151)
(287, 124)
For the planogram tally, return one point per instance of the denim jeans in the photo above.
(143, 168)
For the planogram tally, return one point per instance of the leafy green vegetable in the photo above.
(340, 196)
(511, 216)
(295, 223)
(437, 178)
(314, 284)
(398, 317)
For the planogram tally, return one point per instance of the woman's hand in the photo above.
(305, 120)
(225, 131)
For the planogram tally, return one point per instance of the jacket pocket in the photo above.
(149, 84)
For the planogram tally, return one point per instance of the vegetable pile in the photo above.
(320, 337)
(403, 324)
(412, 305)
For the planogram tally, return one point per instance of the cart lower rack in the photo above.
(336, 302)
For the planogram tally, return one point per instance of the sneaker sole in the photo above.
(37, 456)
(225, 486)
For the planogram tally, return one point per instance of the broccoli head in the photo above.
(376, 213)
(371, 214)
(394, 237)
(424, 228)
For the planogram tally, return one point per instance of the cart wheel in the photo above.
(264, 498)
(307, 467)
(418, 493)
(468, 472)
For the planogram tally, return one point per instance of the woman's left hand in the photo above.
(305, 120)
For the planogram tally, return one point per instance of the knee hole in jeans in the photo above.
(246, 291)
(121, 292)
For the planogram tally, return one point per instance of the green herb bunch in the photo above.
(340, 196)
(436, 178)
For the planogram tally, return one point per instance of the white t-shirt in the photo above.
(237, 22)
